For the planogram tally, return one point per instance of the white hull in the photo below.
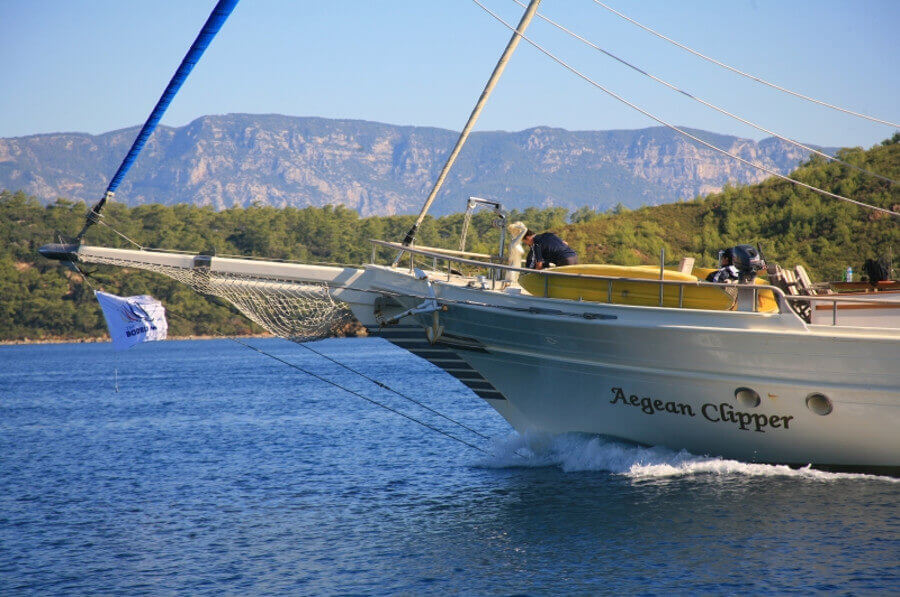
(669, 376)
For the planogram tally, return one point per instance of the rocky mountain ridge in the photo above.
(382, 169)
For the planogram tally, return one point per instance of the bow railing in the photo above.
(452, 263)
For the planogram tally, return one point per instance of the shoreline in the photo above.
(99, 339)
(348, 331)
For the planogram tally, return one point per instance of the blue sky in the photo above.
(100, 65)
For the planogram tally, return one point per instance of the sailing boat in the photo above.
(756, 384)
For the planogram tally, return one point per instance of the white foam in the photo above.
(577, 452)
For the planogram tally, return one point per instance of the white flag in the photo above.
(133, 319)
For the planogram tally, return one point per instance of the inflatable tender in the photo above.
(635, 293)
(766, 299)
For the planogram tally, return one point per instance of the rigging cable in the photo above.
(85, 277)
(742, 73)
(578, 73)
(390, 389)
(101, 221)
(217, 301)
(375, 402)
(704, 102)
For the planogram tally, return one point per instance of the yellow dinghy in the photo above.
(626, 293)
(638, 293)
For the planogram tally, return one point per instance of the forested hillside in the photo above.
(41, 299)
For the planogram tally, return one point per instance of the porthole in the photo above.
(747, 397)
(819, 404)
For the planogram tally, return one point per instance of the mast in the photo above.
(492, 82)
(215, 21)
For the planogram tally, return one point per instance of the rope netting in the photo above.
(298, 311)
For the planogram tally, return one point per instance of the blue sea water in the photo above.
(217, 470)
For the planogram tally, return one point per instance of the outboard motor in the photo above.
(748, 261)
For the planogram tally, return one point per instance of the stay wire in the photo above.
(85, 277)
(742, 73)
(219, 302)
(350, 369)
(376, 382)
(715, 148)
(392, 390)
(100, 219)
(367, 399)
(704, 102)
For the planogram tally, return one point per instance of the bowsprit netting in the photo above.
(298, 311)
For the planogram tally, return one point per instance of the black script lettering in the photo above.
(650, 405)
(618, 395)
(726, 412)
(706, 414)
(760, 421)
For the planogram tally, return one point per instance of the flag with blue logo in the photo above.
(133, 319)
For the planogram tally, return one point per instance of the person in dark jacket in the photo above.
(727, 272)
(548, 249)
(738, 264)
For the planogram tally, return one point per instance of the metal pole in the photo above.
(662, 273)
(479, 105)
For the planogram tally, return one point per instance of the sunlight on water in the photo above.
(578, 452)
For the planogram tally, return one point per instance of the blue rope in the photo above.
(215, 21)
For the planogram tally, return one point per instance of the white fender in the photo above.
(516, 254)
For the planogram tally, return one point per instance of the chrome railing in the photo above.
(494, 269)
(450, 258)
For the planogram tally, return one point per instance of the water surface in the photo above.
(214, 469)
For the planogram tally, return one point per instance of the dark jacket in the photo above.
(549, 248)
(729, 273)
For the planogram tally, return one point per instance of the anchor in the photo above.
(429, 305)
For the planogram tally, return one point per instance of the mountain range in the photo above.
(383, 169)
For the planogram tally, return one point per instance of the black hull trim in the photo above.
(444, 354)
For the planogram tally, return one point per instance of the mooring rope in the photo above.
(742, 73)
